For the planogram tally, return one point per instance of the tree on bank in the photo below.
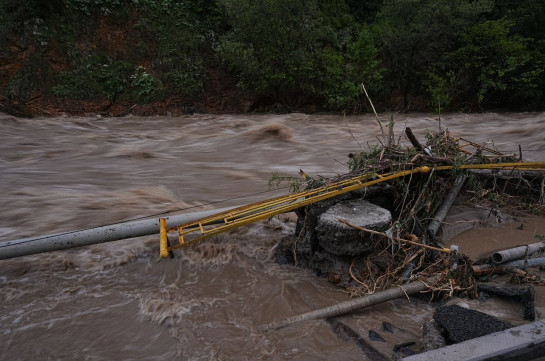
(456, 54)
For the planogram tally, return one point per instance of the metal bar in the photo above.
(163, 238)
(483, 269)
(113, 232)
(254, 216)
(265, 209)
(511, 254)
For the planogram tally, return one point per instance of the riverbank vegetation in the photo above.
(262, 55)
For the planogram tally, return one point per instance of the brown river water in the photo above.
(120, 301)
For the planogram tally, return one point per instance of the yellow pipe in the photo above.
(331, 191)
(163, 238)
(264, 209)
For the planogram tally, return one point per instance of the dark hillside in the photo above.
(115, 57)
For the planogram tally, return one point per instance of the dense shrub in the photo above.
(452, 54)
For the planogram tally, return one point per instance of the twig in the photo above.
(406, 295)
(336, 160)
(374, 111)
(391, 131)
(350, 131)
(444, 250)
(421, 194)
(439, 104)
(407, 192)
(352, 273)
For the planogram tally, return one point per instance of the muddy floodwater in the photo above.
(120, 301)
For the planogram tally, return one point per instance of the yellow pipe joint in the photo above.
(163, 238)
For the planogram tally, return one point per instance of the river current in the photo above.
(120, 301)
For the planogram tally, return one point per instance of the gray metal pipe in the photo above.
(113, 232)
(482, 269)
(510, 254)
(441, 213)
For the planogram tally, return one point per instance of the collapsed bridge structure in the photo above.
(234, 218)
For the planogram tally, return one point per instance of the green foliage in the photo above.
(188, 78)
(345, 72)
(295, 183)
(22, 23)
(491, 61)
(275, 47)
(182, 30)
(364, 11)
(20, 86)
(364, 161)
(96, 77)
(338, 90)
(286, 53)
(416, 34)
(13, 16)
(106, 7)
(527, 17)
(441, 90)
(146, 85)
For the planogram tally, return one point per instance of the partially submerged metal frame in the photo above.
(231, 219)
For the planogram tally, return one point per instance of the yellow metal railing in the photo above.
(225, 221)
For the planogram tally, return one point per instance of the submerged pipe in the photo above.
(510, 254)
(352, 305)
(112, 232)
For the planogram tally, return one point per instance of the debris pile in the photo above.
(388, 240)
(388, 234)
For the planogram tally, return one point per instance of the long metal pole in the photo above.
(113, 232)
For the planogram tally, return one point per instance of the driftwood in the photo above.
(416, 144)
(352, 305)
(412, 243)
(428, 159)
(511, 254)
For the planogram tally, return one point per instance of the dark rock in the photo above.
(281, 259)
(388, 327)
(346, 333)
(294, 250)
(334, 277)
(303, 246)
(483, 296)
(374, 336)
(328, 264)
(404, 350)
(524, 294)
(283, 251)
(432, 336)
(342, 240)
(461, 324)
